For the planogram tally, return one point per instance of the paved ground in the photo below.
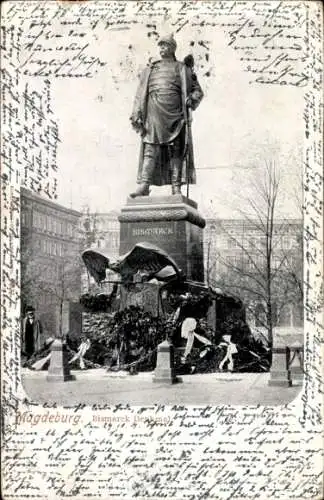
(98, 386)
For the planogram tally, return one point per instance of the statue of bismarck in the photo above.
(167, 92)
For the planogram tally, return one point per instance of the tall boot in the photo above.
(176, 175)
(147, 172)
(143, 189)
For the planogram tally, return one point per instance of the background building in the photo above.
(100, 231)
(246, 258)
(50, 258)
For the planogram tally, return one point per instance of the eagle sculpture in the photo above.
(144, 259)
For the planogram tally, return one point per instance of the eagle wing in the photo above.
(150, 260)
(143, 257)
(96, 264)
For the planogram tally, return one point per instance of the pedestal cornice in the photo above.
(176, 207)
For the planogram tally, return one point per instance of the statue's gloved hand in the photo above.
(137, 124)
(189, 102)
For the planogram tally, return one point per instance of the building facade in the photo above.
(50, 258)
(100, 232)
(238, 258)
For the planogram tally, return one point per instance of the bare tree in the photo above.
(88, 238)
(210, 264)
(260, 270)
(88, 231)
(58, 279)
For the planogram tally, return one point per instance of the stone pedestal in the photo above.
(165, 371)
(59, 370)
(287, 359)
(279, 374)
(170, 222)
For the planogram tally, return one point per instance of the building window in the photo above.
(286, 242)
(260, 262)
(28, 218)
(252, 243)
(35, 219)
(291, 315)
(38, 244)
(298, 240)
(263, 241)
(43, 222)
(291, 260)
(220, 242)
(228, 260)
(276, 261)
(233, 243)
(233, 260)
(69, 229)
(249, 265)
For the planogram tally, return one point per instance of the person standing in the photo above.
(167, 93)
(31, 333)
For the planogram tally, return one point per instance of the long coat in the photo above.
(189, 88)
(37, 334)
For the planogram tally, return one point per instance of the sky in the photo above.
(236, 128)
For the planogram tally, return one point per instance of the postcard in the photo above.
(162, 250)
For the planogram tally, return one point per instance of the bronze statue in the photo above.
(167, 92)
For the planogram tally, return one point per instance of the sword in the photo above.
(189, 62)
(189, 120)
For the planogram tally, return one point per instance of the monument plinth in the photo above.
(165, 369)
(59, 370)
(172, 223)
(287, 359)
